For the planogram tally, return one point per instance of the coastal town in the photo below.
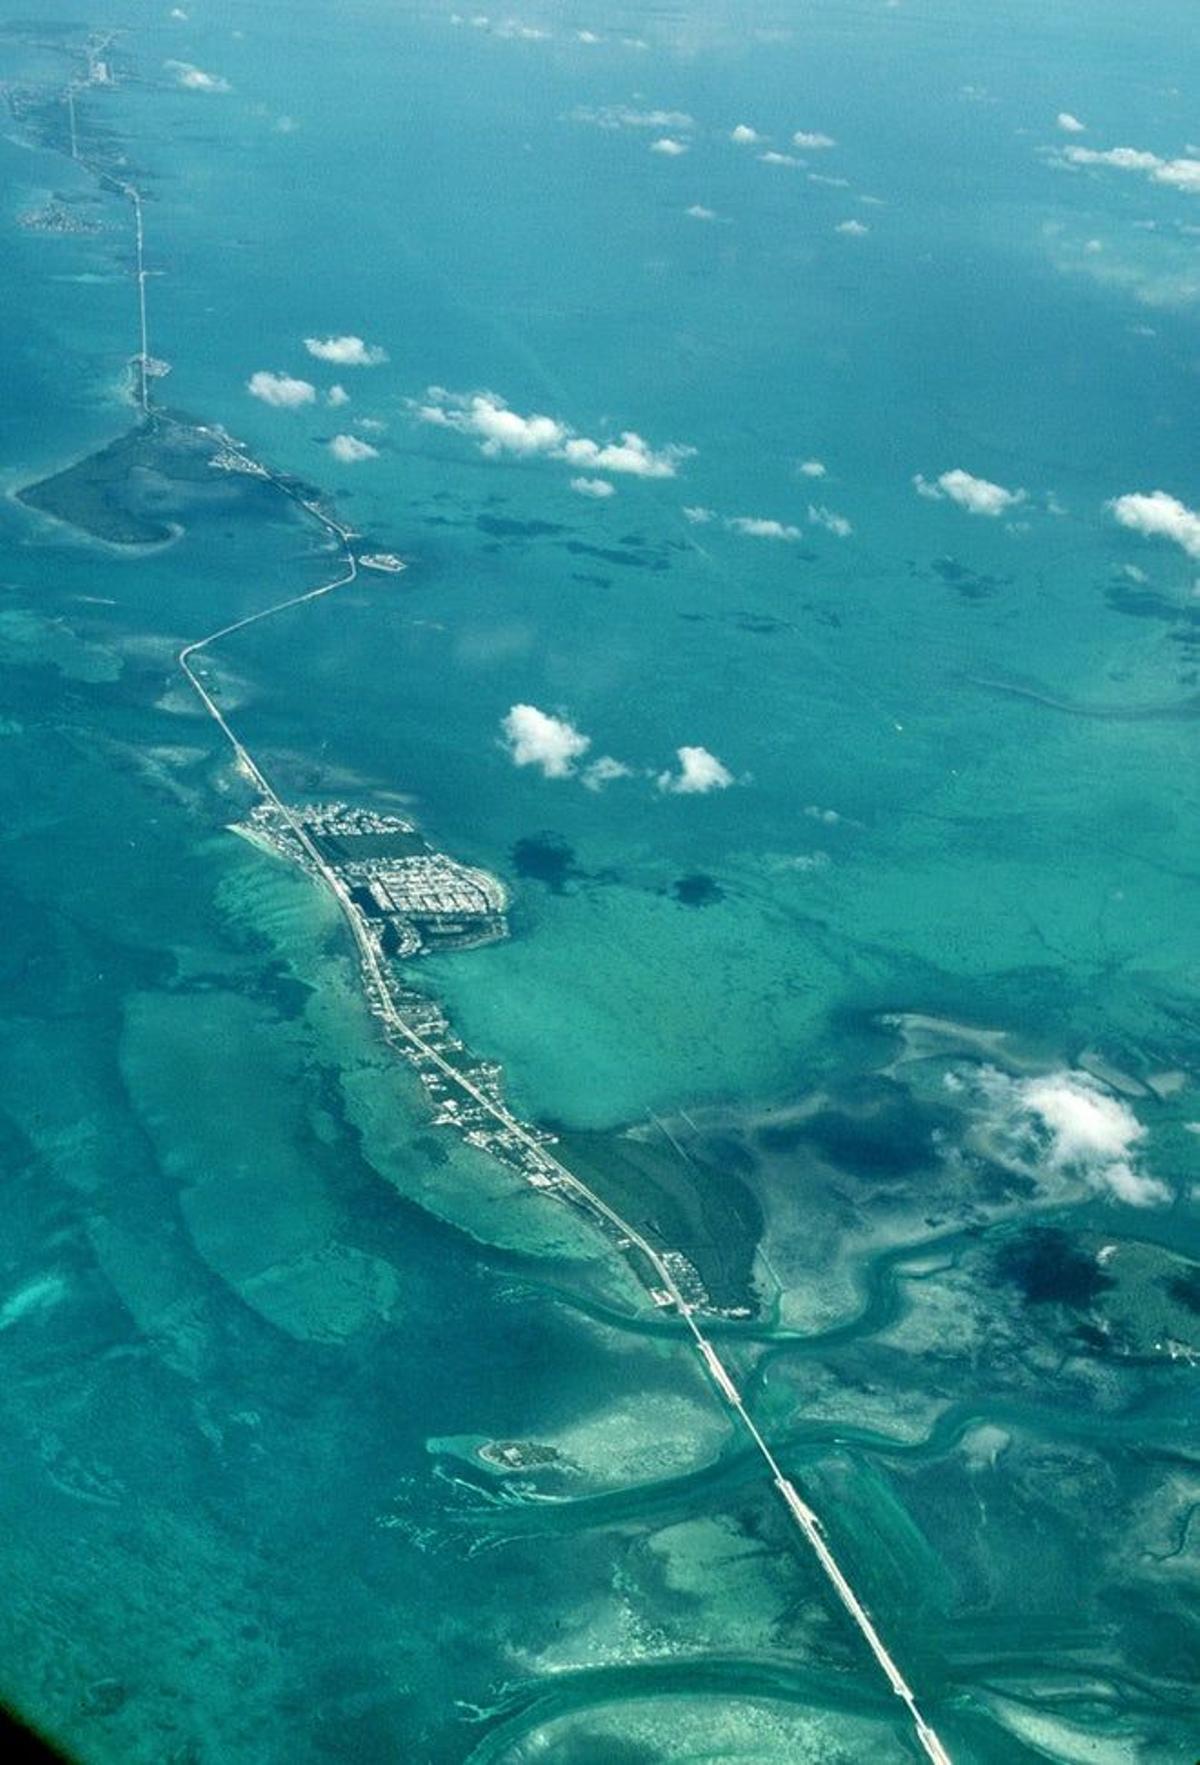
(56, 216)
(413, 898)
(401, 900)
(409, 900)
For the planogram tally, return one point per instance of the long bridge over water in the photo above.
(655, 1271)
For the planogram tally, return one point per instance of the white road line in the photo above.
(805, 1518)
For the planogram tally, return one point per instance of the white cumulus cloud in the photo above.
(838, 525)
(1184, 174)
(512, 30)
(811, 469)
(1086, 1131)
(534, 738)
(1159, 515)
(698, 212)
(698, 515)
(347, 352)
(852, 229)
(774, 158)
(762, 527)
(978, 496)
(668, 145)
(616, 116)
(604, 771)
(499, 430)
(336, 397)
(1181, 174)
(1125, 159)
(281, 390)
(194, 79)
(597, 487)
(629, 454)
(812, 138)
(350, 450)
(699, 772)
(744, 135)
(1070, 125)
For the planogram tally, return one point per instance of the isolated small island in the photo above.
(522, 1455)
(110, 494)
(127, 492)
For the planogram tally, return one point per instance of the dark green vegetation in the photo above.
(1045, 1265)
(341, 848)
(145, 486)
(252, 1294)
(1185, 1289)
(678, 1201)
(123, 493)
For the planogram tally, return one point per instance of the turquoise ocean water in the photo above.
(256, 1314)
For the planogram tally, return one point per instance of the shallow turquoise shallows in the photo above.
(858, 534)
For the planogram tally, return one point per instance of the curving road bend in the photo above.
(806, 1520)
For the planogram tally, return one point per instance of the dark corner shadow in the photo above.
(19, 1742)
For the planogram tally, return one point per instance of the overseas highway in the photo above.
(655, 1271)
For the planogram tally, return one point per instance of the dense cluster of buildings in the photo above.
(442, 903)
(407, 900)
(56, 217)
(413, 899)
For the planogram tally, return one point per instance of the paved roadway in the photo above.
(804, 1517)
(135, 196)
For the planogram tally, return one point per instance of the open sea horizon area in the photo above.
(600, 1041)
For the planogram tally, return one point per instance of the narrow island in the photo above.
(397, 895)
